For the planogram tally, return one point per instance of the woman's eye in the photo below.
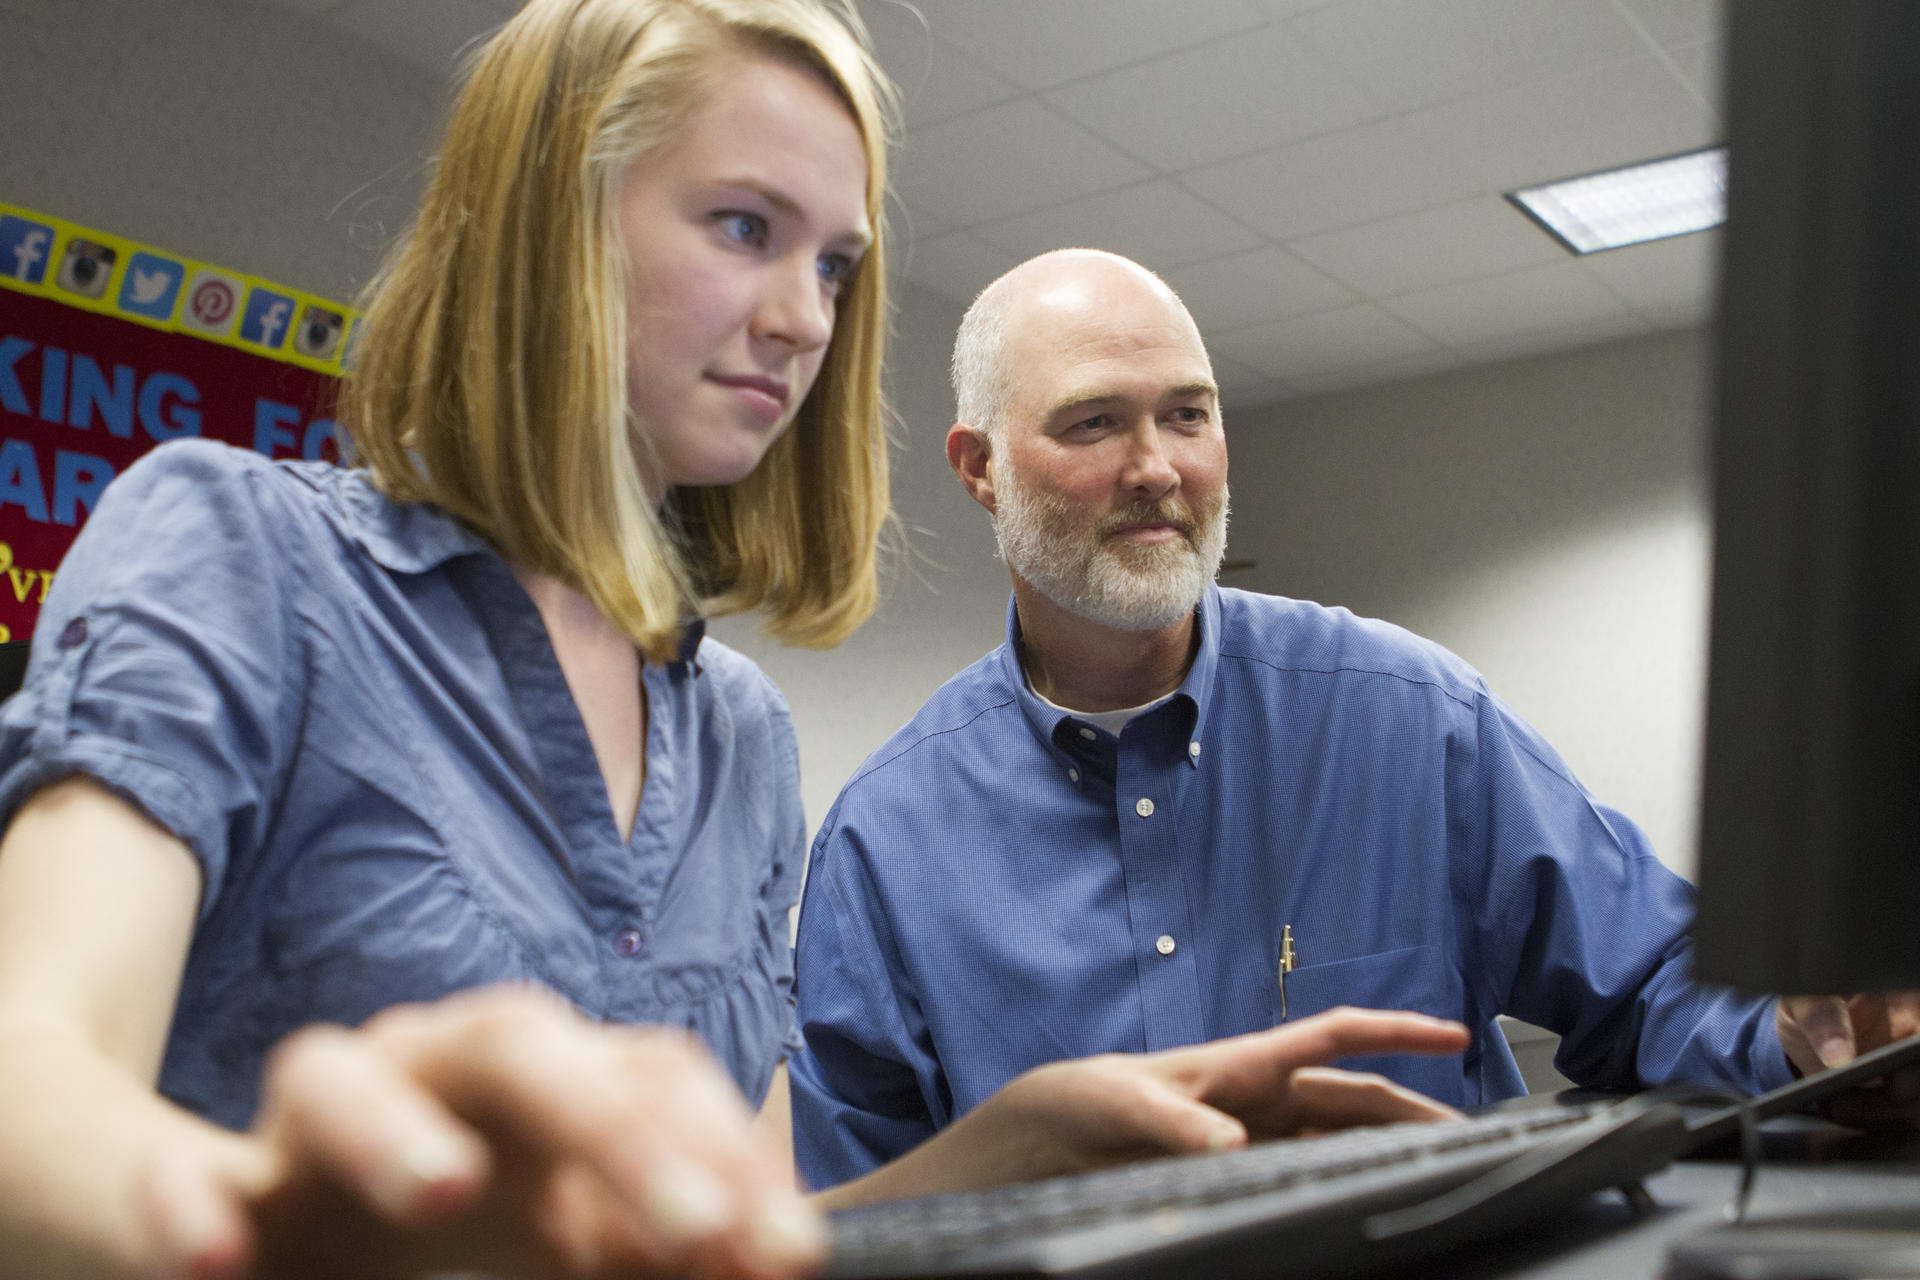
(744, 228)
(836, 269)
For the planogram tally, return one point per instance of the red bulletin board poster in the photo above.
(106, 350)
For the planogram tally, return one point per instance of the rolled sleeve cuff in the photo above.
(143, 780)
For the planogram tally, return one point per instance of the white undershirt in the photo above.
(1112, 721)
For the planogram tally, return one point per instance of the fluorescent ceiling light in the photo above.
(1641, 202)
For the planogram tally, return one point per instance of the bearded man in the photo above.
(1164, 812)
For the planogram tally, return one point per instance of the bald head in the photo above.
(1061, 295)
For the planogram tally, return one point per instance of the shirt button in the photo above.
(1073, 775)
(1164, 945)
(1087, 733)
(627, 942)
(1193, 749)
(75, 633)
(1143, 807)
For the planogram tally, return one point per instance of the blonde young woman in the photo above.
(398, 746)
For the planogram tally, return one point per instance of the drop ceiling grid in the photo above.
(1290, 165)
(1389, 193)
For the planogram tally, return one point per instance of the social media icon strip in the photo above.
(267, 318)
(26, 247)
(151, 287)
(95, 271)
(212, 302)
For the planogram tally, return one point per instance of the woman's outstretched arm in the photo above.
(494, 1129)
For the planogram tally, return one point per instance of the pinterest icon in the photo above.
(212, 303)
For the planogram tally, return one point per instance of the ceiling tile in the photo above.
(1373, 375)
(1156, 224)
(1669, 283)
(1414, 53)
(1356, 175)
(1703, 66)
(1005, 160)
(936, 81)
(1670, 23)
(956, 267)
(1562, 126)
(1558, 296)
(910, 223)
(1325, 342)
(1227, 98)
(1414, 251)
(1242, 388)
(1532, 342)
(1251, 399)
(431, 34)
(1290, 8)
(1049, 43)
(1252, 288)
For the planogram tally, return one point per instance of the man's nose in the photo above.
(1149, 471)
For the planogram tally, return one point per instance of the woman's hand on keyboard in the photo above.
(493, 1131)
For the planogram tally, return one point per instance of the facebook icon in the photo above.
(24, 249)
(265, 322)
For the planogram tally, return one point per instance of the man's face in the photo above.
(1110, 493)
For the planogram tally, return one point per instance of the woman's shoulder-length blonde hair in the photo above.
(492, 371)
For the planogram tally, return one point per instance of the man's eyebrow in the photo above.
(1102, 395)
(860, 238)
(1187, 390)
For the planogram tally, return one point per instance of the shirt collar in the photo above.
(1196, 690)
(687, 662)
(417, 537)
(406, 537)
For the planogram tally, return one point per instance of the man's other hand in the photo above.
(1828, 1031)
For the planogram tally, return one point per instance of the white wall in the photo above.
(1546, 519)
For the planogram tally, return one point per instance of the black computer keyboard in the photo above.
(1342, 1204)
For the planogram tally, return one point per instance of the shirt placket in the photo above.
(616, 899)
(1158, 914)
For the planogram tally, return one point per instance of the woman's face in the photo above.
(738, 238)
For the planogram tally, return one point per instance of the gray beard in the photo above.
(1108, 581)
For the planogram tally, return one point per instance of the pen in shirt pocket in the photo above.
(1287, 961)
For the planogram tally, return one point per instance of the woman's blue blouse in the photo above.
(350, 712)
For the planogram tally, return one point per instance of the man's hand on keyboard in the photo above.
(1827, 1031)
(1085, 1113)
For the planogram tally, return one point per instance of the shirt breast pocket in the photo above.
(1418, 979)
(1415, 978)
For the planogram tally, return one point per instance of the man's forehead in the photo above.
(1085, 336)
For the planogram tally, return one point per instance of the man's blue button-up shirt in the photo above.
(1005, 884)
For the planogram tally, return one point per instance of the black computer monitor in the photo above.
(1810, 834)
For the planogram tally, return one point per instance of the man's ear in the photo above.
(968, 453)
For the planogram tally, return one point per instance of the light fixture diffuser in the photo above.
(1647, 201)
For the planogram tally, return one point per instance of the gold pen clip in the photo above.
(1286, 965)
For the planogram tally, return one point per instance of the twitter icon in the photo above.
(151, 286)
